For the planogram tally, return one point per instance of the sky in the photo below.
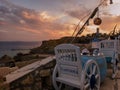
(38, 20)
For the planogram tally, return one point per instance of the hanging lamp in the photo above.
(97, 20)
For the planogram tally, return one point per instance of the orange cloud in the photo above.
(30, 30)
(66, 30)
(109, 23)
(2, 22)
(44, 25)
(28, 15)
(45, 17)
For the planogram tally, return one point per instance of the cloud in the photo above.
(2, 31)
(109, 22)
(23, 23)
(4, 10)
(2, 22)
(77, 12)
(14, 14)
(22, 20)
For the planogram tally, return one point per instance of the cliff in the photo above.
(47, 47)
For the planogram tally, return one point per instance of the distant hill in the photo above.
(48, 46)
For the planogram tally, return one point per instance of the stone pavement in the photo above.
(109, 83)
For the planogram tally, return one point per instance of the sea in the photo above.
(11, 48)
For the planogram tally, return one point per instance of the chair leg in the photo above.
(57, 85)
(115, 68)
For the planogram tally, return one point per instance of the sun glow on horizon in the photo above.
(47, 19)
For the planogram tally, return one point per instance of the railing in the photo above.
(32, 76)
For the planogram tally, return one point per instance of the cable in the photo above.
(91, 16)
(79, 23)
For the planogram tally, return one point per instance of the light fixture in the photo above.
(111, 2)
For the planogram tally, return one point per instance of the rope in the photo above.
(80, 22)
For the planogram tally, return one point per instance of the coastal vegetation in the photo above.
(47, 47)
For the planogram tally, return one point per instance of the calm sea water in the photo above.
(12, 48)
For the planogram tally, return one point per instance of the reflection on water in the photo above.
(12, 48)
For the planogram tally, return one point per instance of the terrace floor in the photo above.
(109, 83)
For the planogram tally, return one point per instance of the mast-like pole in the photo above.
(91, 16)
(83, 27)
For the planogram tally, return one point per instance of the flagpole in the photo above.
(91, 16)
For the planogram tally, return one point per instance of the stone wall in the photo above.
(39, 79)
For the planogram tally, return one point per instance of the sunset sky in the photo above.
(37, 20)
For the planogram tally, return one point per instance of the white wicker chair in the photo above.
(110, 49)
(69, 69)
